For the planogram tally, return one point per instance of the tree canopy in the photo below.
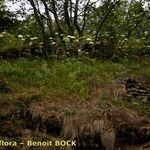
(103, 28)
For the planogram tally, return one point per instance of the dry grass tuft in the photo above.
(92, 133)
(44, 109)
(118, 116)
(7, 109)
(130, 127)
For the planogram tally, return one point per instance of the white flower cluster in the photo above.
(33, 38)
(22, 39)
(66, 39)
(20, 36)
(30, 43)
(145, 32)
(71, 37)
(53, 43)
(2, 34)
(40, 43)
(122, 35)
(92, 43)
(77, 40)
(88, 39)
(25, 27)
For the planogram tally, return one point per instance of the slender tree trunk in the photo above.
(49, 19)
(71, 16)
(41, 26)
(104, 19)
(67, 18)
(76, 19)
(60, 30)
(84, 16)
(54, 10)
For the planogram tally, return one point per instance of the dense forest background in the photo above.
(111, 29)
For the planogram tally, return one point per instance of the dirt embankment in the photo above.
(93, 123)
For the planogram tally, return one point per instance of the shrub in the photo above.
(10, 44)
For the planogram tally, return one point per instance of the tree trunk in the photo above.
(76, 19)
(60, 30)
(67, 18)
(41, 26)
(49, 19)
(104, 19)
(54, 10)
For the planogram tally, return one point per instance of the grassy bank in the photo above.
(72, 89)
(68, 77)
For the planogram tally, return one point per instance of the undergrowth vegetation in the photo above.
(73, 99)
(71, 77)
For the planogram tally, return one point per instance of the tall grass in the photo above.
(67, 76)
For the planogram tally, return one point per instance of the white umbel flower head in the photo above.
(1, 35)
(20, 36)
(77, 40)
(4, 32)
(34, 38)
(92, 43)
(88, 39)
(66, 39)
(25, 27)
(53, 43)
(22, 39)
(71, 37)
(30, 43)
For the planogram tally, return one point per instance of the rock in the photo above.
(136, 88)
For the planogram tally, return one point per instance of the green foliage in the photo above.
(7, 19)
(76, 77)
(68, 76)
(136, 48)
(10, 43)
(123, 35)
